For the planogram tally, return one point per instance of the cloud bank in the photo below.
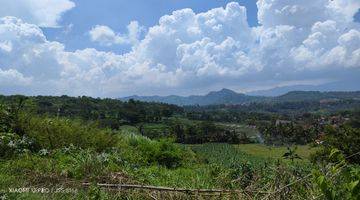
(296, 41)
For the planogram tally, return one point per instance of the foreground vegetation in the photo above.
(57, 153)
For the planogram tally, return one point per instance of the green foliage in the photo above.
(155, 130)
(12, 144)
(290, 133)
(344, 138)
(291, 154)
(163, 152)
(5, 119)
(110, 113)
(232, 168)
(198, 132)
(52, 133)
(226, 155)
(219, 166)
(337, 179)
(82, 164)
(276, 152)
(242, 174)
(256, 112)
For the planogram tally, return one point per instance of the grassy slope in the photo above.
(191, 175)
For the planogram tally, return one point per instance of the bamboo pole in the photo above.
(150, 187)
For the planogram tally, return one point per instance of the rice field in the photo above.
(258, 155)
(226, 155)
(274, 152)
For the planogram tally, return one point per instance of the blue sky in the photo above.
(118, 13)
(117, 48)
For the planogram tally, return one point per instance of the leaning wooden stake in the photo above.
(149, 187)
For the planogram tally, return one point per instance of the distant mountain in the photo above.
(347, 85)
(317, 96)
(224, 96)
(277, 91)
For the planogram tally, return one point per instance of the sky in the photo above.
(117, 48)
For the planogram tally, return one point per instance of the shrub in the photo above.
(163, 152)
(5, 119)
(11, 144)
(52, 133)
(344, 138)
(337, 179)
(168, 154)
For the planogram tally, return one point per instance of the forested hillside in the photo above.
(108, 112)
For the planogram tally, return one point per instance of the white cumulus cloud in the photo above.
(104, 35)
(12, 77)
(44, 13)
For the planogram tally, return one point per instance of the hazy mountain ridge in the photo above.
(317, 96)
(226, 96)
(341, 86)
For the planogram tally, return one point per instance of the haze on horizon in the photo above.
(163, 47)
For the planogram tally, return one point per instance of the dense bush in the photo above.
(284, 134)
(336, 178)
(345, 138)
(11, 144)
(163, 152)
(52, 133)
(5, 119)
(168, 154)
